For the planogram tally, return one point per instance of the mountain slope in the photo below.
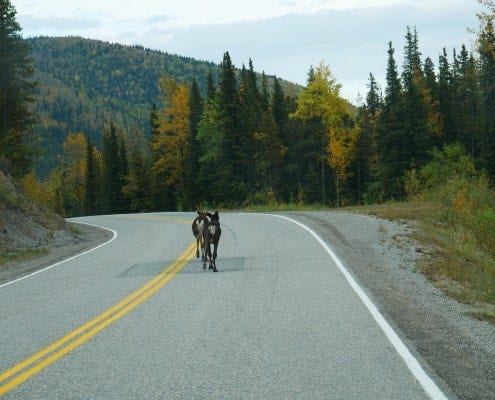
(84, 84)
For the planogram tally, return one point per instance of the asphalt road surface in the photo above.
(138, 318)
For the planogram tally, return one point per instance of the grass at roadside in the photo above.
(461, 258)
(10, 256)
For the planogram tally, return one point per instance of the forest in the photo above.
(127, 129)
(84, 84)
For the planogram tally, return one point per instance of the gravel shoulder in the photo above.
(458, 350)
(63, 244)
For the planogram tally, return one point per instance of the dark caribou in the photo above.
(206, 229)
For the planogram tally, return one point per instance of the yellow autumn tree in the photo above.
(321, 100)
(35, 189)
(342, 146)
(74, 165)
(171, 143)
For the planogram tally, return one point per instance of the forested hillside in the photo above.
(84, 84)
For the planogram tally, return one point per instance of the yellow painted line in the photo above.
(34, 364)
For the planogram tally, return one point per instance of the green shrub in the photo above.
(483, 227)
(448, 163)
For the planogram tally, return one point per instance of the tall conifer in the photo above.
(486, 50)
(91, 180)
(16, 93)
(229, 175)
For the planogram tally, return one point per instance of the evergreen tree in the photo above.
(230, 176)
(138, 183)
(279, 106)
(265, 93)
(468, 102)
(392, 159)
(486, 48)
(446, 98)
(196, 106)
(112, 167)
(91, 180)
(211, 89)
(249, 124)
(367, 152)
(16, 89)
(418, 137)
(211, 175)
(161, 197)
(124, 174)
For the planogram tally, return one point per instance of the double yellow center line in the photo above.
(42, 359)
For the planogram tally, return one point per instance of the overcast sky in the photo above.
(282, 37)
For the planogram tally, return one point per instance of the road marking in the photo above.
(34, 364)
(429, 386)
(115, 234)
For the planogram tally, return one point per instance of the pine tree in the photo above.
(16, 89)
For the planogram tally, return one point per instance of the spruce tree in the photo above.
(250, 123)
(446, 98)
(279, 106)
(391, 145)
(137, 187)
(487, 84)
(229, 118)
(367, 151)
(112, 167)
(91, 180)
(196, 106)
(211, 89)
(16, 90)
(123, 176)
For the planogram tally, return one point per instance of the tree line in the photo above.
(247, 142)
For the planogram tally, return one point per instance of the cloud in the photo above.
(353, 42)
(56, 25)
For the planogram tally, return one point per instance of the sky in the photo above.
(282, 37)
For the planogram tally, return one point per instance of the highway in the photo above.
(138, 318)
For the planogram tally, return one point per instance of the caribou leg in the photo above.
(215, 245)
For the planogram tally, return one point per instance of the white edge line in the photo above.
(412, 363)
(115, 234)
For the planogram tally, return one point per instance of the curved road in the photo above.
(138, 318)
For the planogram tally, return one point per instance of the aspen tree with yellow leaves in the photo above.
(321, 101)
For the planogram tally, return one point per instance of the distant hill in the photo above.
(84, 84)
